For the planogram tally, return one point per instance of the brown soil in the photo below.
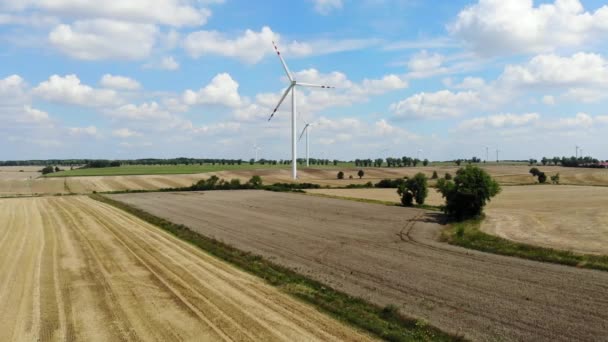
(389, 255)
(73, 269)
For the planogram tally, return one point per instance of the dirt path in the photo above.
(76, 269)
(389, 255)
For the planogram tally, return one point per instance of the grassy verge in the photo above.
(385, 323)
(467, 234)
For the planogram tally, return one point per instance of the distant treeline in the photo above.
(155, 161)
(571, 162)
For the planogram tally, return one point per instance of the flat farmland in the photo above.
(564, 217)
(74, 269)
(389, 255)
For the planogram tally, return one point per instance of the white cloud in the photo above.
(219, 128)
(325, 7)
(494, 27)
(33, 115)
(468, 82)
(436, 105)
(125, 133)
(251, 47)
(499, 121)
(548, 100)
(119, 82)
(68, 89)
(222, 90)
(90, 131)
(166, 63)
(381, 86)
(167, 12)
(581, 69)
(145, 111)
(98, 39)
(425, 64)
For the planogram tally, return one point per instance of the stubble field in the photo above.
(14, 183)
(563, 217)
(75, 269)
(389, 255)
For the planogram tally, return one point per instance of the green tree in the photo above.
(555, 178)
(434, 176)
(251, 161)
(425, 162)
(468, 193)
(458, 161)
(361, 173)
(534, 171)
(448, 176)
(340, 175)
(414, 188)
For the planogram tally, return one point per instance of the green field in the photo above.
(127, 170)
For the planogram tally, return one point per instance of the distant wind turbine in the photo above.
(305, 130)
(292, 89)
(256, 148)
(576, 154)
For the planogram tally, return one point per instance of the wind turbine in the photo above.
(576, 155)
(497, 160)
(305, 130)
(292, 89)
(256, 148)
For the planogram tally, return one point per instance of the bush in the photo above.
(434, 176)
(555, 178)
(413, 189)
(255, 182)
(448, 176)
(390, 183)
(468, 193)
(47, 170)
(340, 175)
(361, 173)
(534, 171)
(542, 178)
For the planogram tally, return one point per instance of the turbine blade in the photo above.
(314, 85)
(302, 134)
(280, 101)
(283, 62)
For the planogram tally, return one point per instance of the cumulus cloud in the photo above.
(251, 46)
(499, 121)
(87, 131)
(324, 7)
(119, 82)
(549, 100)
(144, 111)
(98, 39)
(68, 89)
(33, 115)
(222, 90)
(495, 27)
(441, 104)
(125, 133)
(167, 12)
(425, 64)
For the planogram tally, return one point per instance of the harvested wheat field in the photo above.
(389, 255)
(563, 217)
(75, 269)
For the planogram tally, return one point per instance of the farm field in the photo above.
(389, 255)
(562, 217)
(73, 268)
(14, 183)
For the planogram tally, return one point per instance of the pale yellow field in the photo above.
(15, 183)
(565, 217)
(74, 269)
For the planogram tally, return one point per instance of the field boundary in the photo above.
(386, 323)
(469, 235)
(373, 201)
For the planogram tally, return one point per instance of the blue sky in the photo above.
(169, 78)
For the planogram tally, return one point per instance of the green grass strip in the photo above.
(386, 323)
(468, 234)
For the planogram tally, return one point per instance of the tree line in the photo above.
(570, 161)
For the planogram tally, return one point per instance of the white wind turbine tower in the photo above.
(256, 148)
(305, 130)
(292, 89)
